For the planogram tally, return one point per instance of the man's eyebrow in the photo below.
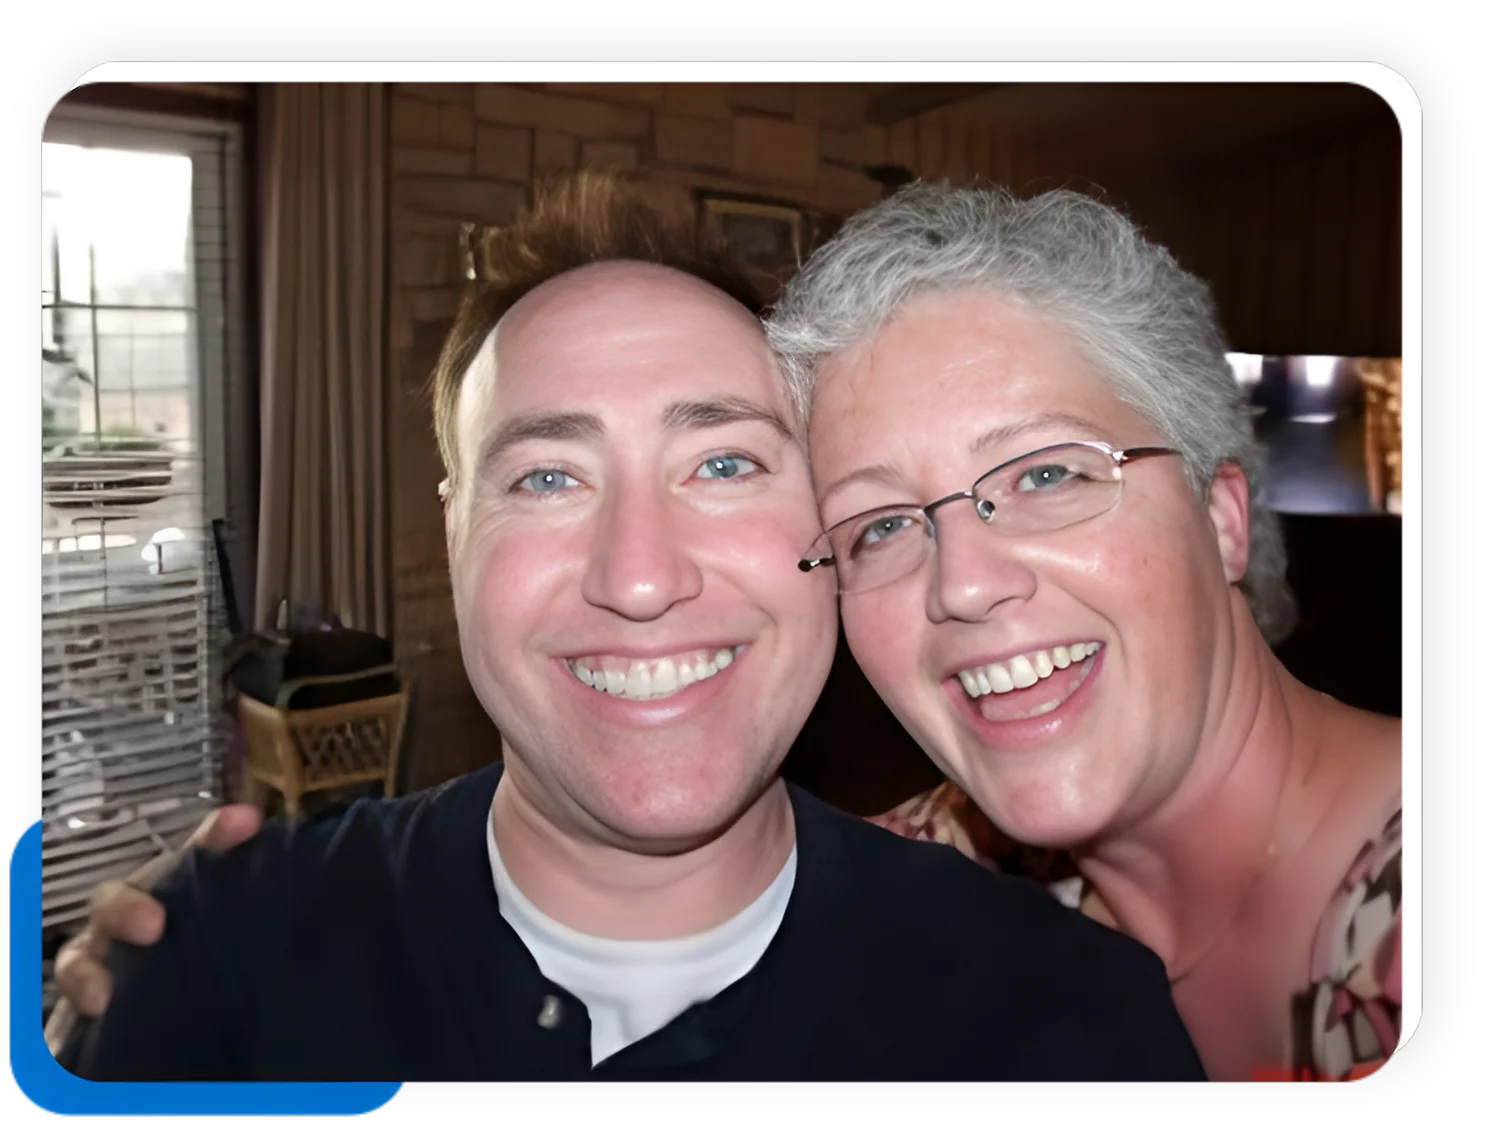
(580, 426)
(555, 426)
(699, 414)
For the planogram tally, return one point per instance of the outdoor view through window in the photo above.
(128, 717)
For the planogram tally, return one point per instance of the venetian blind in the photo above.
(137, 279)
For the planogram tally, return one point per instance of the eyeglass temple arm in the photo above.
(1142, 451)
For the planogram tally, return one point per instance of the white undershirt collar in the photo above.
(631, 987)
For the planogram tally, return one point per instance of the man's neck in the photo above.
(605, 890)
(1180, 878)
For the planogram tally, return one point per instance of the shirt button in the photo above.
(551, 1015)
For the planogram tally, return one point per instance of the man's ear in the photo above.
(446, 499)
(1228, 508)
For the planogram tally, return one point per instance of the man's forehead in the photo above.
(595, 296)
(476, 393)
(620, 332)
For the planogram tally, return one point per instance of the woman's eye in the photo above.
(1043, 477)
(880, 530)
(546, 481)
(726, 467)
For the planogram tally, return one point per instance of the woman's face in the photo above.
(955, 385)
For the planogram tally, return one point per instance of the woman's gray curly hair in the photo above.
(1147, 324)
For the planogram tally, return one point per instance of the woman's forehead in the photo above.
(952, 386)
(978, 358)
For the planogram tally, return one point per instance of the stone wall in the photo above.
(462, 152)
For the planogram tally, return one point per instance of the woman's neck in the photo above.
(603, 889)
(1180, 878)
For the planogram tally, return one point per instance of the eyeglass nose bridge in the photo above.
(983, 508)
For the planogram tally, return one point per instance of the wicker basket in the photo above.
(296, 751)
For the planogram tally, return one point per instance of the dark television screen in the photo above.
(1330, 426)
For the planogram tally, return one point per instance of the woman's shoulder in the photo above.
(947, 815)
(1348, 1020)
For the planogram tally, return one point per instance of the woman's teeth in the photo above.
(651, 680)
(1025, 669)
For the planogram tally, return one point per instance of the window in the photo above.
(140, 319)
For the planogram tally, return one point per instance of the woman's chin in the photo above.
(1044, 823)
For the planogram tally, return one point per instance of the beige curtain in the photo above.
(323, 508)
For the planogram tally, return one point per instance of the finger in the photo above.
(88, 941)
(144, 877)
(82, 979)
(204, 830)
(124, 912)
(59, 1025)
(228, 827)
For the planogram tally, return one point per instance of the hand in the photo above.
(124, 910)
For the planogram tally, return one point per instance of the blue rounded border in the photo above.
(52, 1087)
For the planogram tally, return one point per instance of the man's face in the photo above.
(623, 547)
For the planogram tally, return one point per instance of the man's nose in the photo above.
(640, 565)
(973, 569)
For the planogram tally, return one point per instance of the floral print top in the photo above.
(1344, 1025)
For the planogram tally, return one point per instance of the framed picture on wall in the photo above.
(770, 238)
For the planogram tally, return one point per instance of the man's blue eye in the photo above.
(726, 467)
(546, 481)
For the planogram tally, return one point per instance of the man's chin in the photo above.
(674, 819)
(668, 832)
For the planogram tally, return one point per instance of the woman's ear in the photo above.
(1228, 508)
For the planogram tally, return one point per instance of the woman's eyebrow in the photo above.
(879, 474)
(1045, 420)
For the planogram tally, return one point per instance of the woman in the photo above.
(1039, 478)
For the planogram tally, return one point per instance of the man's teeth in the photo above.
(1025, 669)
(651, 680)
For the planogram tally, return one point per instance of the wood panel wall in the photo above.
(1298, 230)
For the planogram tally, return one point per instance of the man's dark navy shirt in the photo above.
(370, 946)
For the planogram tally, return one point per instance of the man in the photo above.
(634, 893)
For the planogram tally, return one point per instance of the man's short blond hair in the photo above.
(574, 220)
